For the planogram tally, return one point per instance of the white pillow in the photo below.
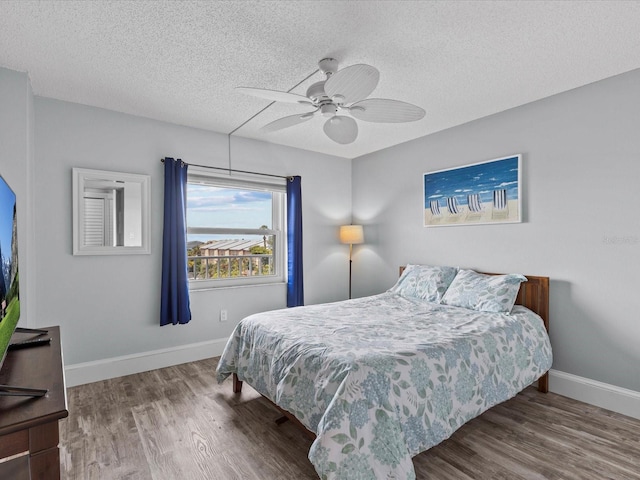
(484, 293)
(425, 282)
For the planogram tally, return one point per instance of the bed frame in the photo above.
(533, 294)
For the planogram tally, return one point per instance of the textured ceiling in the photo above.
(179, 61)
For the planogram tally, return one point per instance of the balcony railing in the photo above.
(224, 266)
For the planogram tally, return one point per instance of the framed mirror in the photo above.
(110, 212)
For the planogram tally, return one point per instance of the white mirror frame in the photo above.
(80, 177)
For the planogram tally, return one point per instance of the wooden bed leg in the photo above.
(543, 383)
(237, 384)
(290, 417)
(281, 420)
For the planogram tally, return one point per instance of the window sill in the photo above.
(212, 287)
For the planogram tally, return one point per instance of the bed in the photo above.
(377, 380)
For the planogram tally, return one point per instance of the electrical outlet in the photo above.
(223, 316)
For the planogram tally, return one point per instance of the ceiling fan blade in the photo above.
(352, 83)
(341, 129)
(382, 110)
(275, 95)
(286, 122)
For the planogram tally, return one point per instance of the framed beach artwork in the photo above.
(476, 194)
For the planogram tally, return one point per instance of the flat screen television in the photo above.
(10, 284)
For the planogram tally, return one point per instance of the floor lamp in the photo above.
(353, 235)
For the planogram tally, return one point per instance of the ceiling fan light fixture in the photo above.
(340, 129)
(328, 110)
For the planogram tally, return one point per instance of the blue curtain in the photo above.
(295, 289)
(174, 302)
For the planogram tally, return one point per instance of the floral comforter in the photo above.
(383, 378)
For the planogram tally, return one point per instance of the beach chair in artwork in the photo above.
(453, 206)
(475, 207)
(435, 208)
(436, 214)
(500, 206)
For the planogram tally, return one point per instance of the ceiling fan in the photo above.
(343, 91)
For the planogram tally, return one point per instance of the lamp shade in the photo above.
(351, 234)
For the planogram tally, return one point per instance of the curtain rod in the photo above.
(288, 177)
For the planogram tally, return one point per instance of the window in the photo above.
(235, 231)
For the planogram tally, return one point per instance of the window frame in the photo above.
(277, 187)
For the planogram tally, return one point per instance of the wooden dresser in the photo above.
(29, 434)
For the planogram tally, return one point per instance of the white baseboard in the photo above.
(600, 394)
(88, 372)
(616, 399)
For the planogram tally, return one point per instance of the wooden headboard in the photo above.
(533, 294)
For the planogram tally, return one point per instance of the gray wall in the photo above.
(108, 306)
(581, 159)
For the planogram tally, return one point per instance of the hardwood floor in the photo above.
(178, 423)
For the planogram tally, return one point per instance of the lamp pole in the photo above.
(351, 234)
(350, 262)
